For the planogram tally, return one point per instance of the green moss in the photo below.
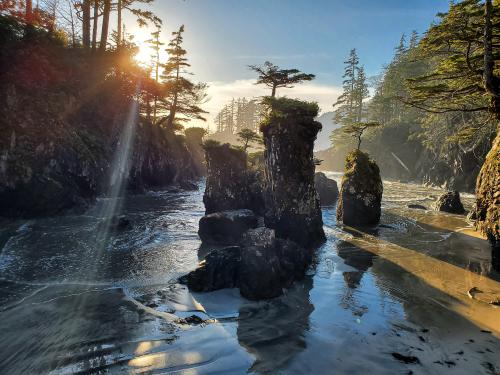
(359, 165)
(282, 108)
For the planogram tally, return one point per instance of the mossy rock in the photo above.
(361, 191)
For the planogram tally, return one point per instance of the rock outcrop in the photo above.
(219, 270)
(291, 202)
(361, 191)
(261, 266)
(450, 202)
(326, 188)
(226, 227)
(227, 183)
(488, 199)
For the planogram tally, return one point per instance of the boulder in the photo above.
(450, 202)
(361, 191)
(269, 264)
(291, 201)
(218, 270)
(327, 189)
(262, 266)
(226, 227)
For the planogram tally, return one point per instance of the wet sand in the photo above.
(391, 299)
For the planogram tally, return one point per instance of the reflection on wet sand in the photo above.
(273, 331)
(454, 282)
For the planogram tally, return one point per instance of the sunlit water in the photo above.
(69, 305)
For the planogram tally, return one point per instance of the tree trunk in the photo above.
(29, 11)
(105, 25)
(119, 26)
(490, 82)
(173, 107)
(359, 142)
(273, 93)
(73, 39)
(94, 29)
(86, 24)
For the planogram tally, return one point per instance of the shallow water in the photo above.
(74, 302)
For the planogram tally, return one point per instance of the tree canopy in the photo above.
(272, 76)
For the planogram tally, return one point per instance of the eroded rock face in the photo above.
(361, 191)
(226, 227)
(292, 205)
(450, 202)
(261, 266)
(227, 187)
(488, 199)
(219, 270)
(327, 189)
(269, 264)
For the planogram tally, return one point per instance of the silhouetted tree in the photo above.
(272, 76)
(248, 136)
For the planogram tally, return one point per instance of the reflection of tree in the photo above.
(273, 331)
(361, 260)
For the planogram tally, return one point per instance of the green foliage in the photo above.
(349, 104)
(247, 137)
(273, 77)
(211, 143)
(180, 95)
(453, 49)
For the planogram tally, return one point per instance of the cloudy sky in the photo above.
(224, 36)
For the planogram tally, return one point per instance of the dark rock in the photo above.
(261, 267)
(188, 185)
(292, 204)
(227, 185)
(405, 358)
(226, 227)
(361, 191)
(193, 319)
(488, 200)
(327, 189)
(269, 264)
(218, 270)
(417, 207)
(450, 202)
(120, 222)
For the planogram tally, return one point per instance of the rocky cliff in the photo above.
(292, 205)
(488, 198)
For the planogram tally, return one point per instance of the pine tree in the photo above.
(346, 111)
(155, 45)
(273, 77)
(184, 97)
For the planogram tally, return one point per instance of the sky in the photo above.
(223, 37)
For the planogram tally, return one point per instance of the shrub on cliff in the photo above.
(283, 108)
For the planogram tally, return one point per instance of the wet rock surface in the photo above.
(361, 191)
(326, 188)
(291, 201)
(218, 270)
(450, 202)
(261, 266)
(226, 227)
(269, 264)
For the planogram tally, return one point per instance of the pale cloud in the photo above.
(220, 93)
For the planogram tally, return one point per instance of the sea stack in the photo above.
(361, 191)
(226, 187)
(291, 202)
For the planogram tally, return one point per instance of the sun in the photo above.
(143, 56)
